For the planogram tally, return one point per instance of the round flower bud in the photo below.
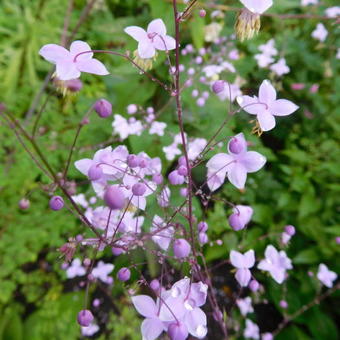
(181, 248)
(155, 285)
(202, 13)
(124, 274)
(236, 222)
(182, 170)
(131, 109)
(103, 108)
(290, 230)
(218, 86)
(85, 318)
(138, 189)
(114, 198)
(202, 227)
(183, 192)
(157, 178)
(133, 161)
(203, 238)
(56, 203)
(236, 146)
(24, 204)
(283, 304)
(95, 173)
(254, 285)
(117, 251)
(182, 161)
(178, 331)
(175, 178)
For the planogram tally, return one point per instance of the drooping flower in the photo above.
(70, 64)
(241, 216)
(154, 38)
(266, 106)
(235, 166)
(242, 262)
(326, 276)
(276, 263)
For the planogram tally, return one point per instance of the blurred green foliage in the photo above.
(299, 185)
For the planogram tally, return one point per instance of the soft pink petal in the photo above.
(237, 175)
(249, 258)
(253, 161)
(266, 120)
(267, 93)
(214, 181)
(220, 163)
(283, 107)
(83, 165)
(243, 276)
(151, 329)
(93, 66)
(146, 49)
(277, 274)
(145, 305)
(164, 43)
(271, 253)
(79, 46)
(250, 104)
(137, 33)
(54, 53)
(157, 26)
(196, 322)
(257, 6)
(237, 259)
(66, 70)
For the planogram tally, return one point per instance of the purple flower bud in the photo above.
(202, 227)
(85, 121)
(202, 13)
(124, 274)
(131, 109)
(181, 248)
(183, 192)
(182, 161)
(337, 240)
(178, 331)
(182, 170)
(74, 85)
(254, 285)
(103, 108)
(95, 173)
(203, 238)
(143, 163)
(218, 316)
(236, 222)
(85, 318)
(24, 204)
(236, 146)
(157, 178)
(155, 285)
(114, 198)
(218, 86)
(200, 102)
(117, 251)
(79, 238)
(283, 304)
(133, 161)
(87, 262)
(138, 189)
(56, 203)
(175, 178)
(290, 230)
(96, 303)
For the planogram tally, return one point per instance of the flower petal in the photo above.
(137, 33)
(93, 66)
(157, 26)
(54, 53)
(250, 104)
(283, 107)
(79, 46)
(267, 92)
(243, 276)
(219, 163)
(214, 181)
(144, 305)
(237, 259)
(164, 43)
(196, 322)
(266, 120)
(257, 6)
(151, 329)
(253, 161)
(249, 258)
(66, 70)
(83, 165)
(146, 49)
(237, 175)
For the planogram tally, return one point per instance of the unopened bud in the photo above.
(114, 198)
(103, 108)
(56, 203)
(85, 318)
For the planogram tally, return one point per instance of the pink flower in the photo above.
(256, 6)
(102, 270)
(75, 269)
(245, 305)
(280, 68)
(266, 106)
(69, 64)
(320, 33)
(153, 39)
(276, 263)
(235, 166)
(252, 330)
(326, 276)
(332, 12)
(242, 262)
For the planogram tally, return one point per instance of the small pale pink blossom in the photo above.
(256, 6)
(245, 305)
(280, 68)
(252, 330)
(242, 262)
(326, 276)
(320, 33)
